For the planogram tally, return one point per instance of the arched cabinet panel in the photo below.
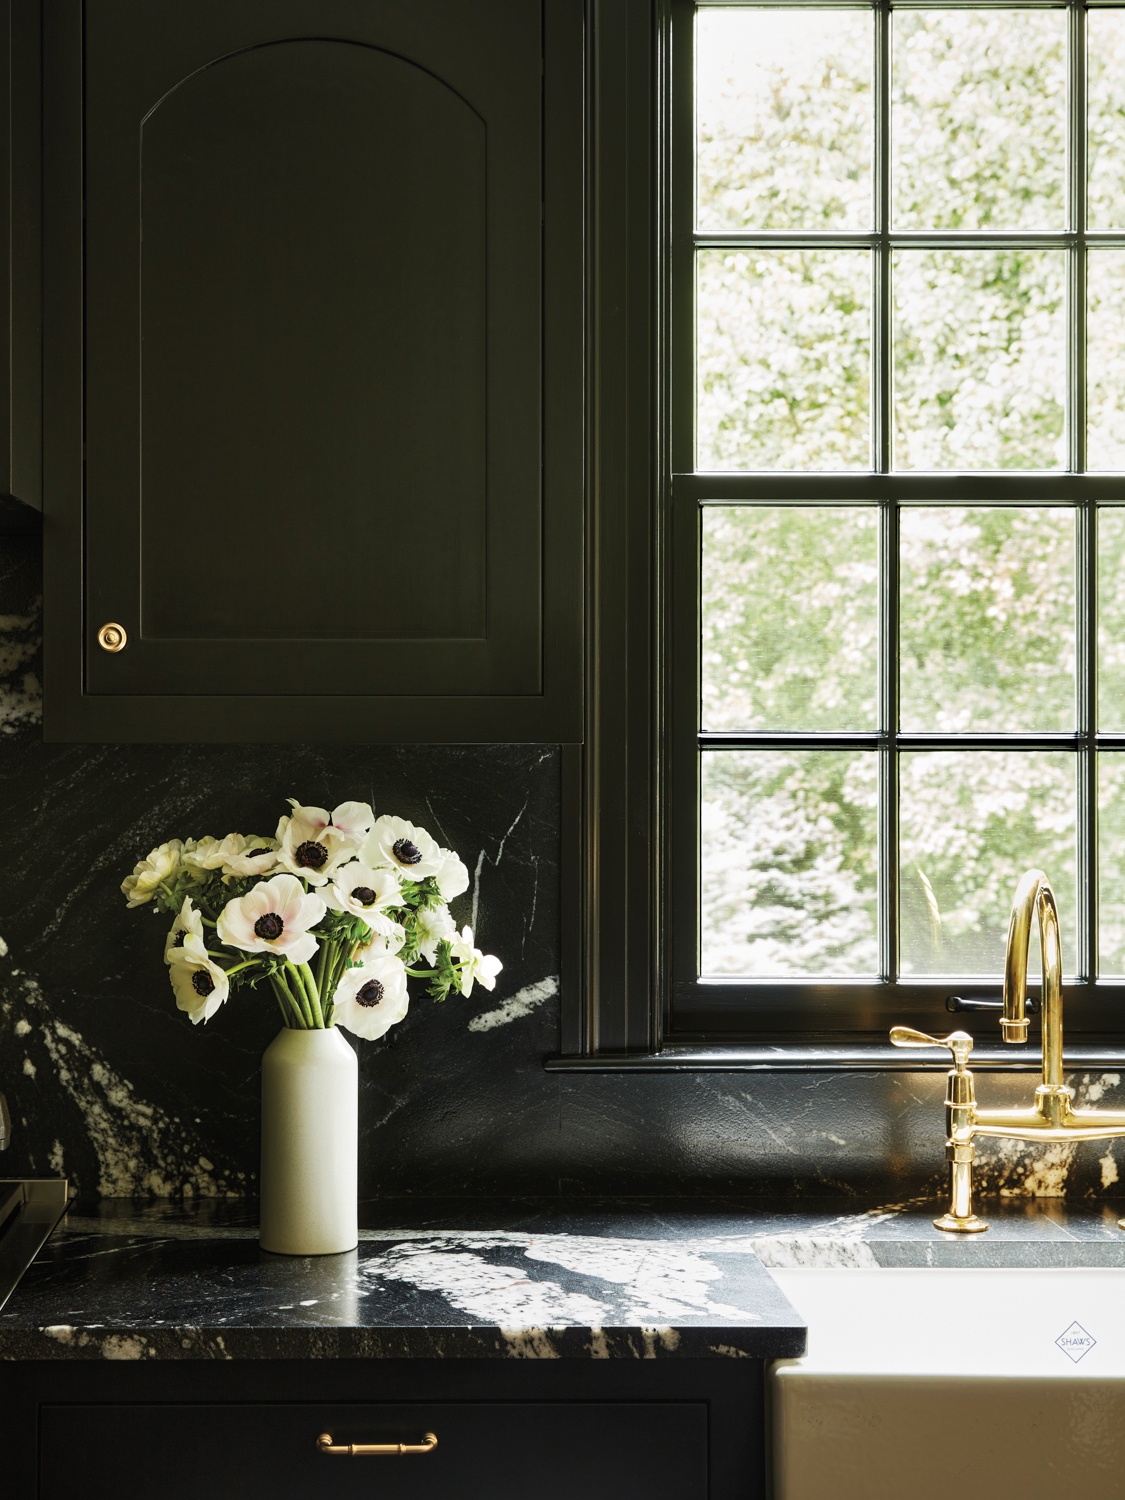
(313, 347)
(325, 362)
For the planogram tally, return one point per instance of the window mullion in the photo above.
(881, 270)
(1076, 211)
(1086, 957)
(888, 754)
(881, 355)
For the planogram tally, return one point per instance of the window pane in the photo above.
(788, 862)
(1111, 864)
(1105, 360)
(978, 119)
(784, 359)
(971, 823)
(1105, 140)
(1111, 620)
(980, 359)
(987, 637)
(784, 119)
(790, 618)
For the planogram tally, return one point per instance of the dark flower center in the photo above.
(371, 993)
(178, 940)
(311, 855)
(261, 853)
(364, 895)
(202, 983)
(269, 927)
(407, 853)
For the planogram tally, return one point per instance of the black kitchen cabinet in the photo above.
(673, 1429)
(312, 369)
(484, 1451)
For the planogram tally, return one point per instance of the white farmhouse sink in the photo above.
(929, 1383)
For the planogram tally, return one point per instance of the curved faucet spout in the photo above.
(1052, 1116)
(1034, 897)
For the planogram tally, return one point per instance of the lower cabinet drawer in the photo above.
(652, 1450)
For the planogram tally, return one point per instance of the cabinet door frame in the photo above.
(733, 1390)
(71, 712)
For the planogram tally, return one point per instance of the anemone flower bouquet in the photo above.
(332, 915)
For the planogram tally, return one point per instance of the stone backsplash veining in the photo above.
(109, 1083)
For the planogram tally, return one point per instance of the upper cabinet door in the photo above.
(304, 334)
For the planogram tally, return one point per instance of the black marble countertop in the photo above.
(123, 1279)
(159, 1280)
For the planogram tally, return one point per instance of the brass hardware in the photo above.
(324, 1444)
(112, 637)
(1050, 1117)
(960, 1043)
(959, 1098)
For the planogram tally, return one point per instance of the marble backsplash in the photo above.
(109, 1083)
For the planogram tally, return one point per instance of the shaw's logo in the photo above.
(1075, 1342)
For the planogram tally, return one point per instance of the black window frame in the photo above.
(631, 792)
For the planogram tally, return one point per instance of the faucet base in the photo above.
(969, 1225)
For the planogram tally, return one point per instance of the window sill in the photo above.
(827, 1059)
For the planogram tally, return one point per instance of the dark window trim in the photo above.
(617, 990)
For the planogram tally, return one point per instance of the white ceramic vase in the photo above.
(310, 1117)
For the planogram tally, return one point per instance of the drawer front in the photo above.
(491, 1450)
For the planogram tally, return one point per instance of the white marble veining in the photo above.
(21, 693)
(522, 1003)
(141, 1149)
(786, 1252)
(646, 1283)
(1026, 1169)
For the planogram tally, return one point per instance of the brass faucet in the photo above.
(1051, 1116)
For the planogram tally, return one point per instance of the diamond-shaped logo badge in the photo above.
(1075, 1342)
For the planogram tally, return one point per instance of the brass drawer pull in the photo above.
(325, 1444)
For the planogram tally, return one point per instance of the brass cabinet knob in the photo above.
(113, 637)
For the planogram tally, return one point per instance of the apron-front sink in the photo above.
(923, 1383)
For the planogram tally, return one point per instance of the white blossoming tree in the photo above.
(987, 608)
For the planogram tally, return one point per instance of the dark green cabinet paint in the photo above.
(601, 1450)
(600, 1429)
(313, 369)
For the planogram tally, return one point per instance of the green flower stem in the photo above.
(421, 973)
(321, 961)
(296, 981)
(337, 964)
(289, 1007)
(297, 997)
(314, 995)
(324, 974)
(245, 964)
(281, 1006)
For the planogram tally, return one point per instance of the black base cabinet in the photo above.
(558, 1430)
(484, 1449)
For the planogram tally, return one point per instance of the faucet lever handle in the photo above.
(960, 1043)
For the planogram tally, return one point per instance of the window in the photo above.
(897, 396)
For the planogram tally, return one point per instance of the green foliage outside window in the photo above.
(987, 619)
